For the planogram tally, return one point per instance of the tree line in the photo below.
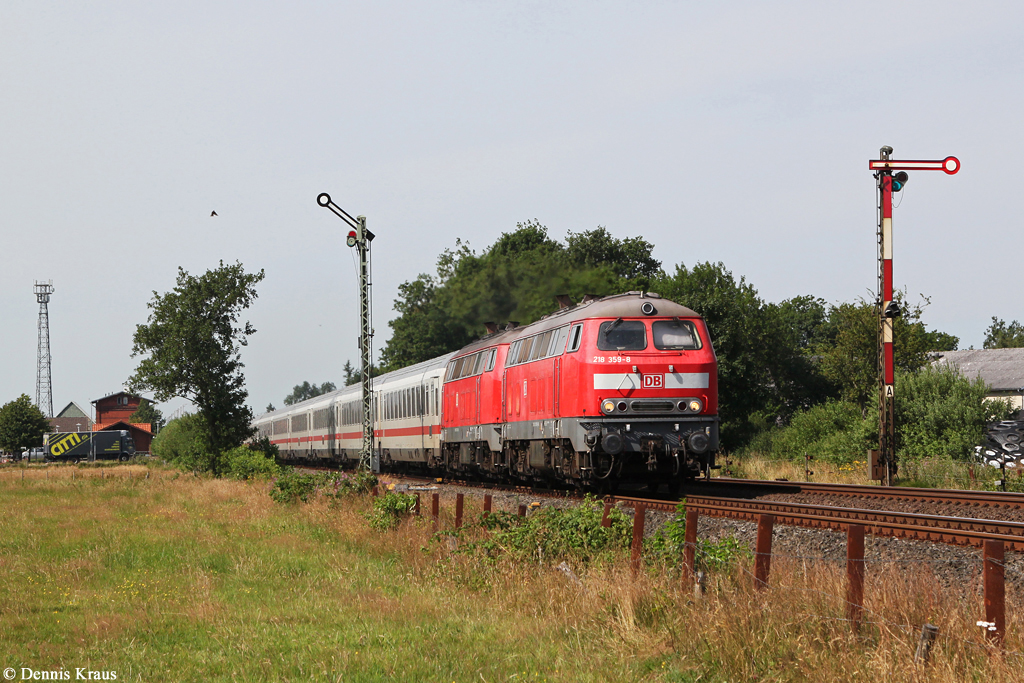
(779, 363)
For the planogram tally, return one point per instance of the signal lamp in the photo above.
(892, 310)
(608, 406)
(899, 180)
(695, 406)
(622, 406)
(351, 241)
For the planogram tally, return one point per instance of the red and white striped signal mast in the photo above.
(891, 176)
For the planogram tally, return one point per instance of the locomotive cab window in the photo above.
(575, 336)
(622, 335)
(672, 335)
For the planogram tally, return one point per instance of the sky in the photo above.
(737, 132)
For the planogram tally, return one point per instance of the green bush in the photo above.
(666, 546)
(245, 463)
(294, 486)
(834, 431)
(554, 533)
(941, 412)
(180, 441)
(389, 510)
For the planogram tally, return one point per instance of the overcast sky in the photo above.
(726, 131)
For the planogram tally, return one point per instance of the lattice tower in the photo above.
(44, 396)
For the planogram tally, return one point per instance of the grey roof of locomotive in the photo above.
(615, 306)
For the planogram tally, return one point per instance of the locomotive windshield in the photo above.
(622, 335)
(672, 335)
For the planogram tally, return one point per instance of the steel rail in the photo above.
(934, 528)
(954, 496)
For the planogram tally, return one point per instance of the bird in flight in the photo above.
(213, 213)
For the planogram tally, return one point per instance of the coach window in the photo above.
(575, 337)
(672, 335)
(622, 335)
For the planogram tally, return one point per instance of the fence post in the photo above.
(763, 556)
(639, 515)
(416, 507)
(924, 644)
(375, 492)
(522, 510)
(435, 510)
(458, 510)
(995, 607)
(487, 504)
(854, 574)
(690, 547)
(606, 520)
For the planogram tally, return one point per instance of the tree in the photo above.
(193, 340)
(270, 408)
(147, 413)
(848, 346)
(515, 279)
(304, 391)
(629, 258)
(22, 425)
(355, 376)
(999, 335)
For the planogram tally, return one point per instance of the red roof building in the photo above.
(114, 412)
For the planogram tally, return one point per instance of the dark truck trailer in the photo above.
(108, 445)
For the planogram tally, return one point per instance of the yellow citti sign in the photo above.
(67, 442)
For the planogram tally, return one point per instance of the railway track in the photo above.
(935, 528)
(980, 499)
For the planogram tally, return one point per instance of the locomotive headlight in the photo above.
(608, 406)
(695, 406)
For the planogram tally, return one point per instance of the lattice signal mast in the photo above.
(44, 397)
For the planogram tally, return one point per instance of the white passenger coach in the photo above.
(328, 428)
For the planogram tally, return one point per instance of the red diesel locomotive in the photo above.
(623, 387)
(619, 388)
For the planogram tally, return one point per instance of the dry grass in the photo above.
(934, 473)
(179, 578)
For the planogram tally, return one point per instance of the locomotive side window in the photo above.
(575, 337)
(540, 346)
(622, 335)
(525, 350)
(675, 335)
(558, 341)
(490, 360)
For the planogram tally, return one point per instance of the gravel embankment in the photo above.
(953, 566)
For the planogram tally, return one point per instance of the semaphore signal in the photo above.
(883, 461)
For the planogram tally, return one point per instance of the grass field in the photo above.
(177, 578)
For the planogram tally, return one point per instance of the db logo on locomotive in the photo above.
(654, 381)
